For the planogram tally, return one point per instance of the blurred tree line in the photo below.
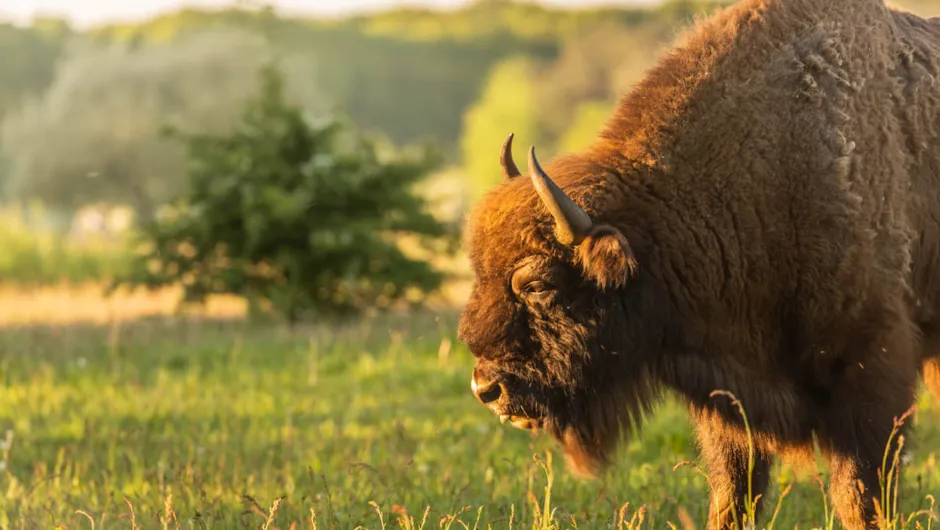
(461, 78)
(82, 111)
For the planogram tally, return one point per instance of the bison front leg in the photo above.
(860, 436)
(724, 448)
(856, 482)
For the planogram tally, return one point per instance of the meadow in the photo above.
(128, 413)
(134, 416)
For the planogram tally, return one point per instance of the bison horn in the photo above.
(572, 224)
(505, 160)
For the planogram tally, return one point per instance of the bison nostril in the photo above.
(490, 394)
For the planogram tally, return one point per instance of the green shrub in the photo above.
(301, 218)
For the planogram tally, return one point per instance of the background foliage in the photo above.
(81, 110)
(409, 75)
(297, 214)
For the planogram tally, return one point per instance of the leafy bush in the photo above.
(304, 218)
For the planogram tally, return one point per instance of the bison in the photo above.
(760, 215)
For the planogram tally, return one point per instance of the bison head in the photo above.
(562, 321)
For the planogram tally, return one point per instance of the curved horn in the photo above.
(505, 160)
(572, 224)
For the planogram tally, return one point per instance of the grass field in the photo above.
(167, 422)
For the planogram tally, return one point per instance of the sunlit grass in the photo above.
(219, 424)
(73, 304)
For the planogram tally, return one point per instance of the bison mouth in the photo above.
(522, 422)
(587, 430)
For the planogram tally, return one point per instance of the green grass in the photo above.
(216, 421)
(41, 257)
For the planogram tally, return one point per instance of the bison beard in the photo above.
(589, 439)
(759, 216)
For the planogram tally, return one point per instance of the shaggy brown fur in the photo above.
(765, 213)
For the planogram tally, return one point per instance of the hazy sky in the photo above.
(84, 12)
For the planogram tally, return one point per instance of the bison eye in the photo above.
(527, 282)
(536, 287)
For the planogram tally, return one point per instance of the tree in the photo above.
(508, 105)
(95, 134)
(303, 217)
(29, 57)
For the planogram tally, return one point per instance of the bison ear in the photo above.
(606, 257)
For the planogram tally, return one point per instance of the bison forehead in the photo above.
(506, 226)
(510, 222)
